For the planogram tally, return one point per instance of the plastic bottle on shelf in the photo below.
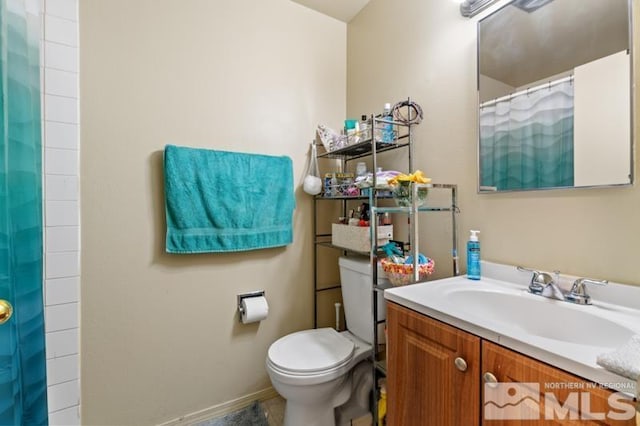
(473, 256)
(364, 128)
(361, 169)
(386, 134)
(382, 404)
(333, 185)
(352, 130)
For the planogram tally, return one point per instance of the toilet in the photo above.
(314, 370)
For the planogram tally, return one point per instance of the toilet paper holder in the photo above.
(257, 293)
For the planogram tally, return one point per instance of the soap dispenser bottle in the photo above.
(473, 256)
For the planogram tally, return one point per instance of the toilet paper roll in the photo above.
(254, 309)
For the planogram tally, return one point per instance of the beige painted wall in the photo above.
(426, 50)
(160, 337)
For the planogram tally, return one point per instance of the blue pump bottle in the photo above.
(473, 256)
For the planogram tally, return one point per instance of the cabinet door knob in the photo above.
(490, 379)
(461, 364)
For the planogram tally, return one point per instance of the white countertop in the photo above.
(614, 303)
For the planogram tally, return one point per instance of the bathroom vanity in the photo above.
(488, 352)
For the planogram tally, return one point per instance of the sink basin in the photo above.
(542, 317)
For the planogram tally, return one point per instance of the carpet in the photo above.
(253, 415)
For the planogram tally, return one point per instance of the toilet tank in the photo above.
(357, 294)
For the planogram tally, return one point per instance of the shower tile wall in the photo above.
(60, 106)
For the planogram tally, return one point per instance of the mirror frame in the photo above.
(632, 101)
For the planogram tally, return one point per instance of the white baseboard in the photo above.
(222, 409)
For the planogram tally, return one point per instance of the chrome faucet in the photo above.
(578, 293)
(543, 284)
(552, 290)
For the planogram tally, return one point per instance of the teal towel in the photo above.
(218, 201)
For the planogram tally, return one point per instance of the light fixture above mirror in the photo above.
(530, 5)
(469, 8)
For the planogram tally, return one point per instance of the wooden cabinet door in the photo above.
(543, 395)
(425, 387)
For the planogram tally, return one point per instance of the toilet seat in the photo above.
(311, 352)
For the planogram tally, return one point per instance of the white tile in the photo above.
(61, 317)
(60, 30)
(61, 161)
(62, 187)
(64, 369)
(62, 238)
(61, 57)
(61, 343)
(67, 9)
(62, 83)
(62, 290)
(59, 108)
(61, 213)
(61, 135)
(62, 265)
(67, 417)
(64, 395)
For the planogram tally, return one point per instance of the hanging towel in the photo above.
(218, 201)
(625, 360)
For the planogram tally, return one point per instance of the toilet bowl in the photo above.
(313, 369)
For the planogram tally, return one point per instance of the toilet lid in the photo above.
(311, 351)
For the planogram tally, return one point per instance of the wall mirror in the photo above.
(555, 88)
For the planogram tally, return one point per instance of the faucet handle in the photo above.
(539, 280)
(578, 293)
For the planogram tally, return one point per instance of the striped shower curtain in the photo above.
(526, 141)
(23, 383)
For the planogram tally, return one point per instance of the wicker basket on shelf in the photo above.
(402, 274)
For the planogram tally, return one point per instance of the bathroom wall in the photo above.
(426, 50)
(160, 335)
(60, 130)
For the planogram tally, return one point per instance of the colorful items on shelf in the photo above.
(402, 273)
(393, 252)
(340, 184)
(383, 179)
(399, 269)
(331, 140)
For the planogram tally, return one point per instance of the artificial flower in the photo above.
(417, 177)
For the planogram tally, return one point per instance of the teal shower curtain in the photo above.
(526, 142)
(23, 391)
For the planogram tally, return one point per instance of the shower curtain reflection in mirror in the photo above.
(526, 139)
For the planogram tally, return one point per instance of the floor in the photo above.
(274, 410)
